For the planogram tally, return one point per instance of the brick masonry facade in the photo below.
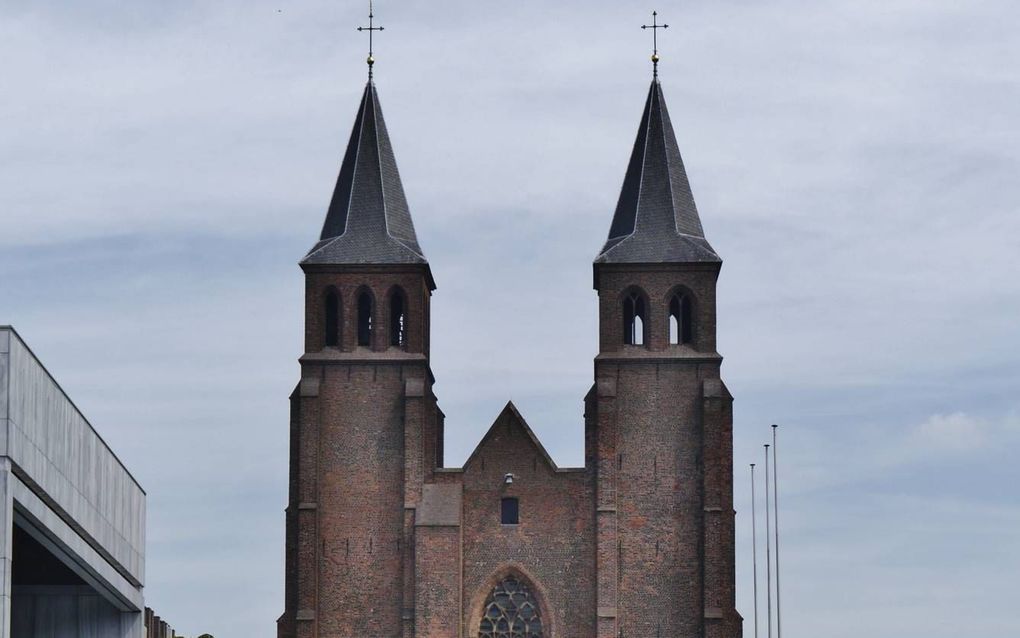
(385, 542)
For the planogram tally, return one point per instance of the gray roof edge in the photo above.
(357, 132)
(315, 254)
(670, 143)
(322, 244)
(369, 92)
(399, 183)
(699, 241)
(327, 266)
(109, 449)
(419, 252)
(640, 138)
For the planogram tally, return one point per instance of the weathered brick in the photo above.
(639, 542)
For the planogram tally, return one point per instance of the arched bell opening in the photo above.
(398, 318)
(332, 318)
(681, 318)
(635, 317)
(366, 316)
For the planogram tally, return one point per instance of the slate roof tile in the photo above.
(368, 221)
(656, 219)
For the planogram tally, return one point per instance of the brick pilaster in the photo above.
(607, 550)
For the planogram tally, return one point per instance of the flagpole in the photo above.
(768, 545)
(754, 551)
(775, 504)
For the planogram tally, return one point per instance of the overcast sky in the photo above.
(164, 165)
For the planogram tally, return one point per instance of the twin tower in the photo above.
(385, 541)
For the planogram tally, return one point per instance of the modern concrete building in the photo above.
(72, 518)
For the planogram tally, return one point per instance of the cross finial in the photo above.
(371, 28)
(655, 26)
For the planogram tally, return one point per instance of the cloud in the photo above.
(959, 435)
(951, 433)
(163, 168)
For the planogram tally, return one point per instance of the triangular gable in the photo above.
(512, 417)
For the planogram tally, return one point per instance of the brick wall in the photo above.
(664, 455)
(379, 281)
(637, 543)
(658, 283)
(552, 547)
(349, 541)
(156, 627)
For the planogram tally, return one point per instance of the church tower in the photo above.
(384, 541)
(659, 417)
(363, 418)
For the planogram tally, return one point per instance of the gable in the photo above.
(509, 432)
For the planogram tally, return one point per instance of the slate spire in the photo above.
(368, 221)
(656, 220)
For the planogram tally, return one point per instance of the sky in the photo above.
(164, 166)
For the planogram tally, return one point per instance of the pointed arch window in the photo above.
(332, 318)
(511, 611)
(634, 319)
(398, 319)
(681, 323)
(364, 318)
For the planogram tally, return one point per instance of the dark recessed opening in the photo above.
(33, 564)
(634, 320)
(332, 319)
(510, 511)
(364, 319)
(398, 320)
(681, 324)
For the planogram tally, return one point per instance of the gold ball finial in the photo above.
(370, 60)
(655, 57)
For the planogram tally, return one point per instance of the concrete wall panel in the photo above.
(61, 457)
(4, 381)
(56, 612)
(35, 517)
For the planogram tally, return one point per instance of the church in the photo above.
(383, 540)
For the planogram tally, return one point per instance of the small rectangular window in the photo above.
(510, 512)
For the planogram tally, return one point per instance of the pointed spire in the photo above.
(368, 221)
(656, 220)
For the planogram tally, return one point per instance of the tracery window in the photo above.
(511, 612)
(681, 325)
(634, 319)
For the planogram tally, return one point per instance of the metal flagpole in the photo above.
(754, 552)
(775, 504)
(768, 545)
